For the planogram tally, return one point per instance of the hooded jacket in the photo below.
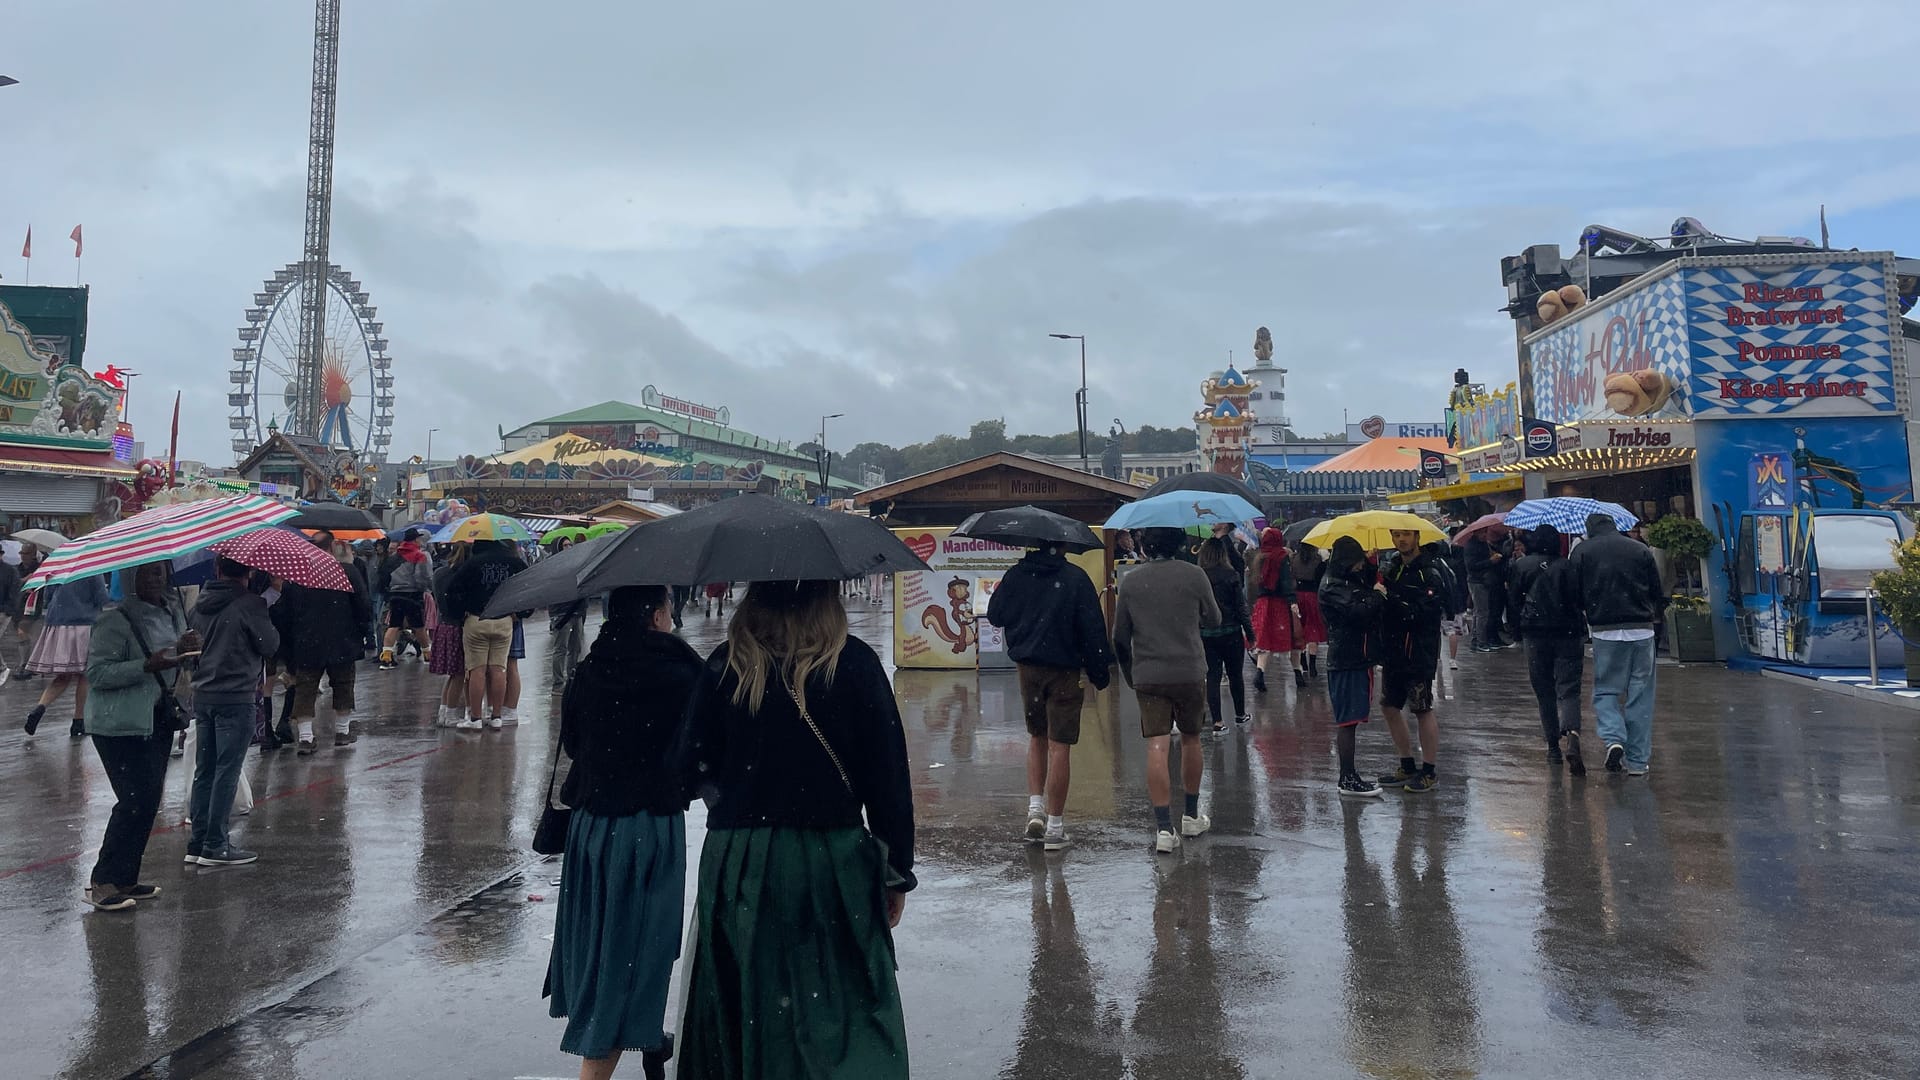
(1410, 620)
(1351, 607)
(323, 627)
(77, 603)
(1619, 583)
(236, 638)
(413, 573)
(1050, 613)
(1276, 566)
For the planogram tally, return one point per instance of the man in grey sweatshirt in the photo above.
(1163, 606)
(237, 638)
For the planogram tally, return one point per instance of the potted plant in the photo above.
(1686, 542)
(1897, 592)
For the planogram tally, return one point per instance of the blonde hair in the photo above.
(797, 628)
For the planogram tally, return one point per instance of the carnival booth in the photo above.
(1765, 395)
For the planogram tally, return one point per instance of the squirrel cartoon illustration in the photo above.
(959, 631)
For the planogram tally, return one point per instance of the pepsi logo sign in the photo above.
(1540, 438)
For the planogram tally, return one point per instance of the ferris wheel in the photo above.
(356, 385)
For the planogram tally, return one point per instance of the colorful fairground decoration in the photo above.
(1226, 421)
(47, 401)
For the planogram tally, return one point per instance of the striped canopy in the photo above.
(1567, 514)
(161, 533)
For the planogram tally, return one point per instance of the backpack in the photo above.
(1548, 603)
(1450, 588)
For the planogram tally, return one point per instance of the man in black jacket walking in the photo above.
(322, 633)
(1487, 580)
(1621, 596)
(1410, 658)
(1548, 600)
(1050, 613)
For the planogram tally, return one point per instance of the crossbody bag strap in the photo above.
(140, 639)
(800, 704)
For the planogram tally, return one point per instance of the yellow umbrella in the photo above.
(1372, 528)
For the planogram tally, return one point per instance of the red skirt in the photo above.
(1313, 627)
(1272, 625)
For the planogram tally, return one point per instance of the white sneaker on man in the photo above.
(509, 714)
(1194, 826)
(495, 722)
(471, 723)
(1165, 842)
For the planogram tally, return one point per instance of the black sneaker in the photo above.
(1397, 778)
(1259, 686)
(1554, 757)
(77, 729)
(193, 855)
(107, 898)
(1576, 765)
(305, 748)
(1421, 783)
(141, 891)
(33, 718)
(227, 856)
(1353, 787)
(1243, 718)
(1615, 755)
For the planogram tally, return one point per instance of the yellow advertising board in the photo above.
(940, 615)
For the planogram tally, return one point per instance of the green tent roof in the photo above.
(621, 412)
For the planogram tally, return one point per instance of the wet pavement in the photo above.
(1749, 909)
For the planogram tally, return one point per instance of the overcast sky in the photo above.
(882, 209)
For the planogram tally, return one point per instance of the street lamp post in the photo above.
(1080, 399)
(430, 432)
(825, 457)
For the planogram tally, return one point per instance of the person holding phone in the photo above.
(236, 639)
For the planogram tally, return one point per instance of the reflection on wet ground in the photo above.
(1747, 910)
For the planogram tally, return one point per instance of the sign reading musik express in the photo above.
(1734, 336)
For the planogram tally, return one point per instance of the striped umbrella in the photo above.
(1569, 515)
(161, 533)
(286, 555)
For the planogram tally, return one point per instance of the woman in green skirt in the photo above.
(792, 735)
(617, 932)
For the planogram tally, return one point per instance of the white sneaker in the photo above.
(1453, 665)
(510, 715)
(1194, 826)
(495, 722)
(1165, 843)
(5, 674)
(469, 724)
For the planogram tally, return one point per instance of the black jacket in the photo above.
(620, 717)
(474, 581)
(1482, 569)
(1619, 583)
(1050, 612)
(768, 769)
(1410, 618)
(322, 627)
(1352, 609)
(1230, 592)
(1454, 560)
(10, 590)
(383, 573)
(1560, 614)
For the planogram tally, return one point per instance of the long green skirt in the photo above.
(793, 964)
(617, 931)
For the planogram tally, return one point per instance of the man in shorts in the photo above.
(1157, 620)
(1050, 613)
(408, 582)
(1414, 595)
(1351, 608)
(485, 641)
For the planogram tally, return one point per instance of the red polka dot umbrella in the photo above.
(286, 555)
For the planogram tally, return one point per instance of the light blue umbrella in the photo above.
(1569, 515)
(1184, 510)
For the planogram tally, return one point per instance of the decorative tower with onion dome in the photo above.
(1226, 422)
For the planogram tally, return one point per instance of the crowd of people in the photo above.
(1184, 620)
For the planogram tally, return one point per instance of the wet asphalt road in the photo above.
(1747, 910)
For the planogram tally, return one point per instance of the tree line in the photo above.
(990, 436)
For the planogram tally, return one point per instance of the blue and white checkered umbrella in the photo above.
(1568, 515)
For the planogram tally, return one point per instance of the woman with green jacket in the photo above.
(125, 681)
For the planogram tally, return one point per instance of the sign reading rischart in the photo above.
(1815, 337)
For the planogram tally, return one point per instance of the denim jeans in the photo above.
(221, 736)
(1623, 696)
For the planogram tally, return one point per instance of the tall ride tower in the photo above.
(311, 361)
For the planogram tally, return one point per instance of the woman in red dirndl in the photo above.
(1274, 611)
(1309, 566)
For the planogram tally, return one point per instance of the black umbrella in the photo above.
(748, 538)
(1298, 530)
(1205, 481)
(332, 516)
(1028, 526)
(553, 580)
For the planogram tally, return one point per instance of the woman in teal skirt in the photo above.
(617, 932)
(792, 736)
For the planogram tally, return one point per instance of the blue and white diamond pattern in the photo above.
(1865, 338)
(1645, 329)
